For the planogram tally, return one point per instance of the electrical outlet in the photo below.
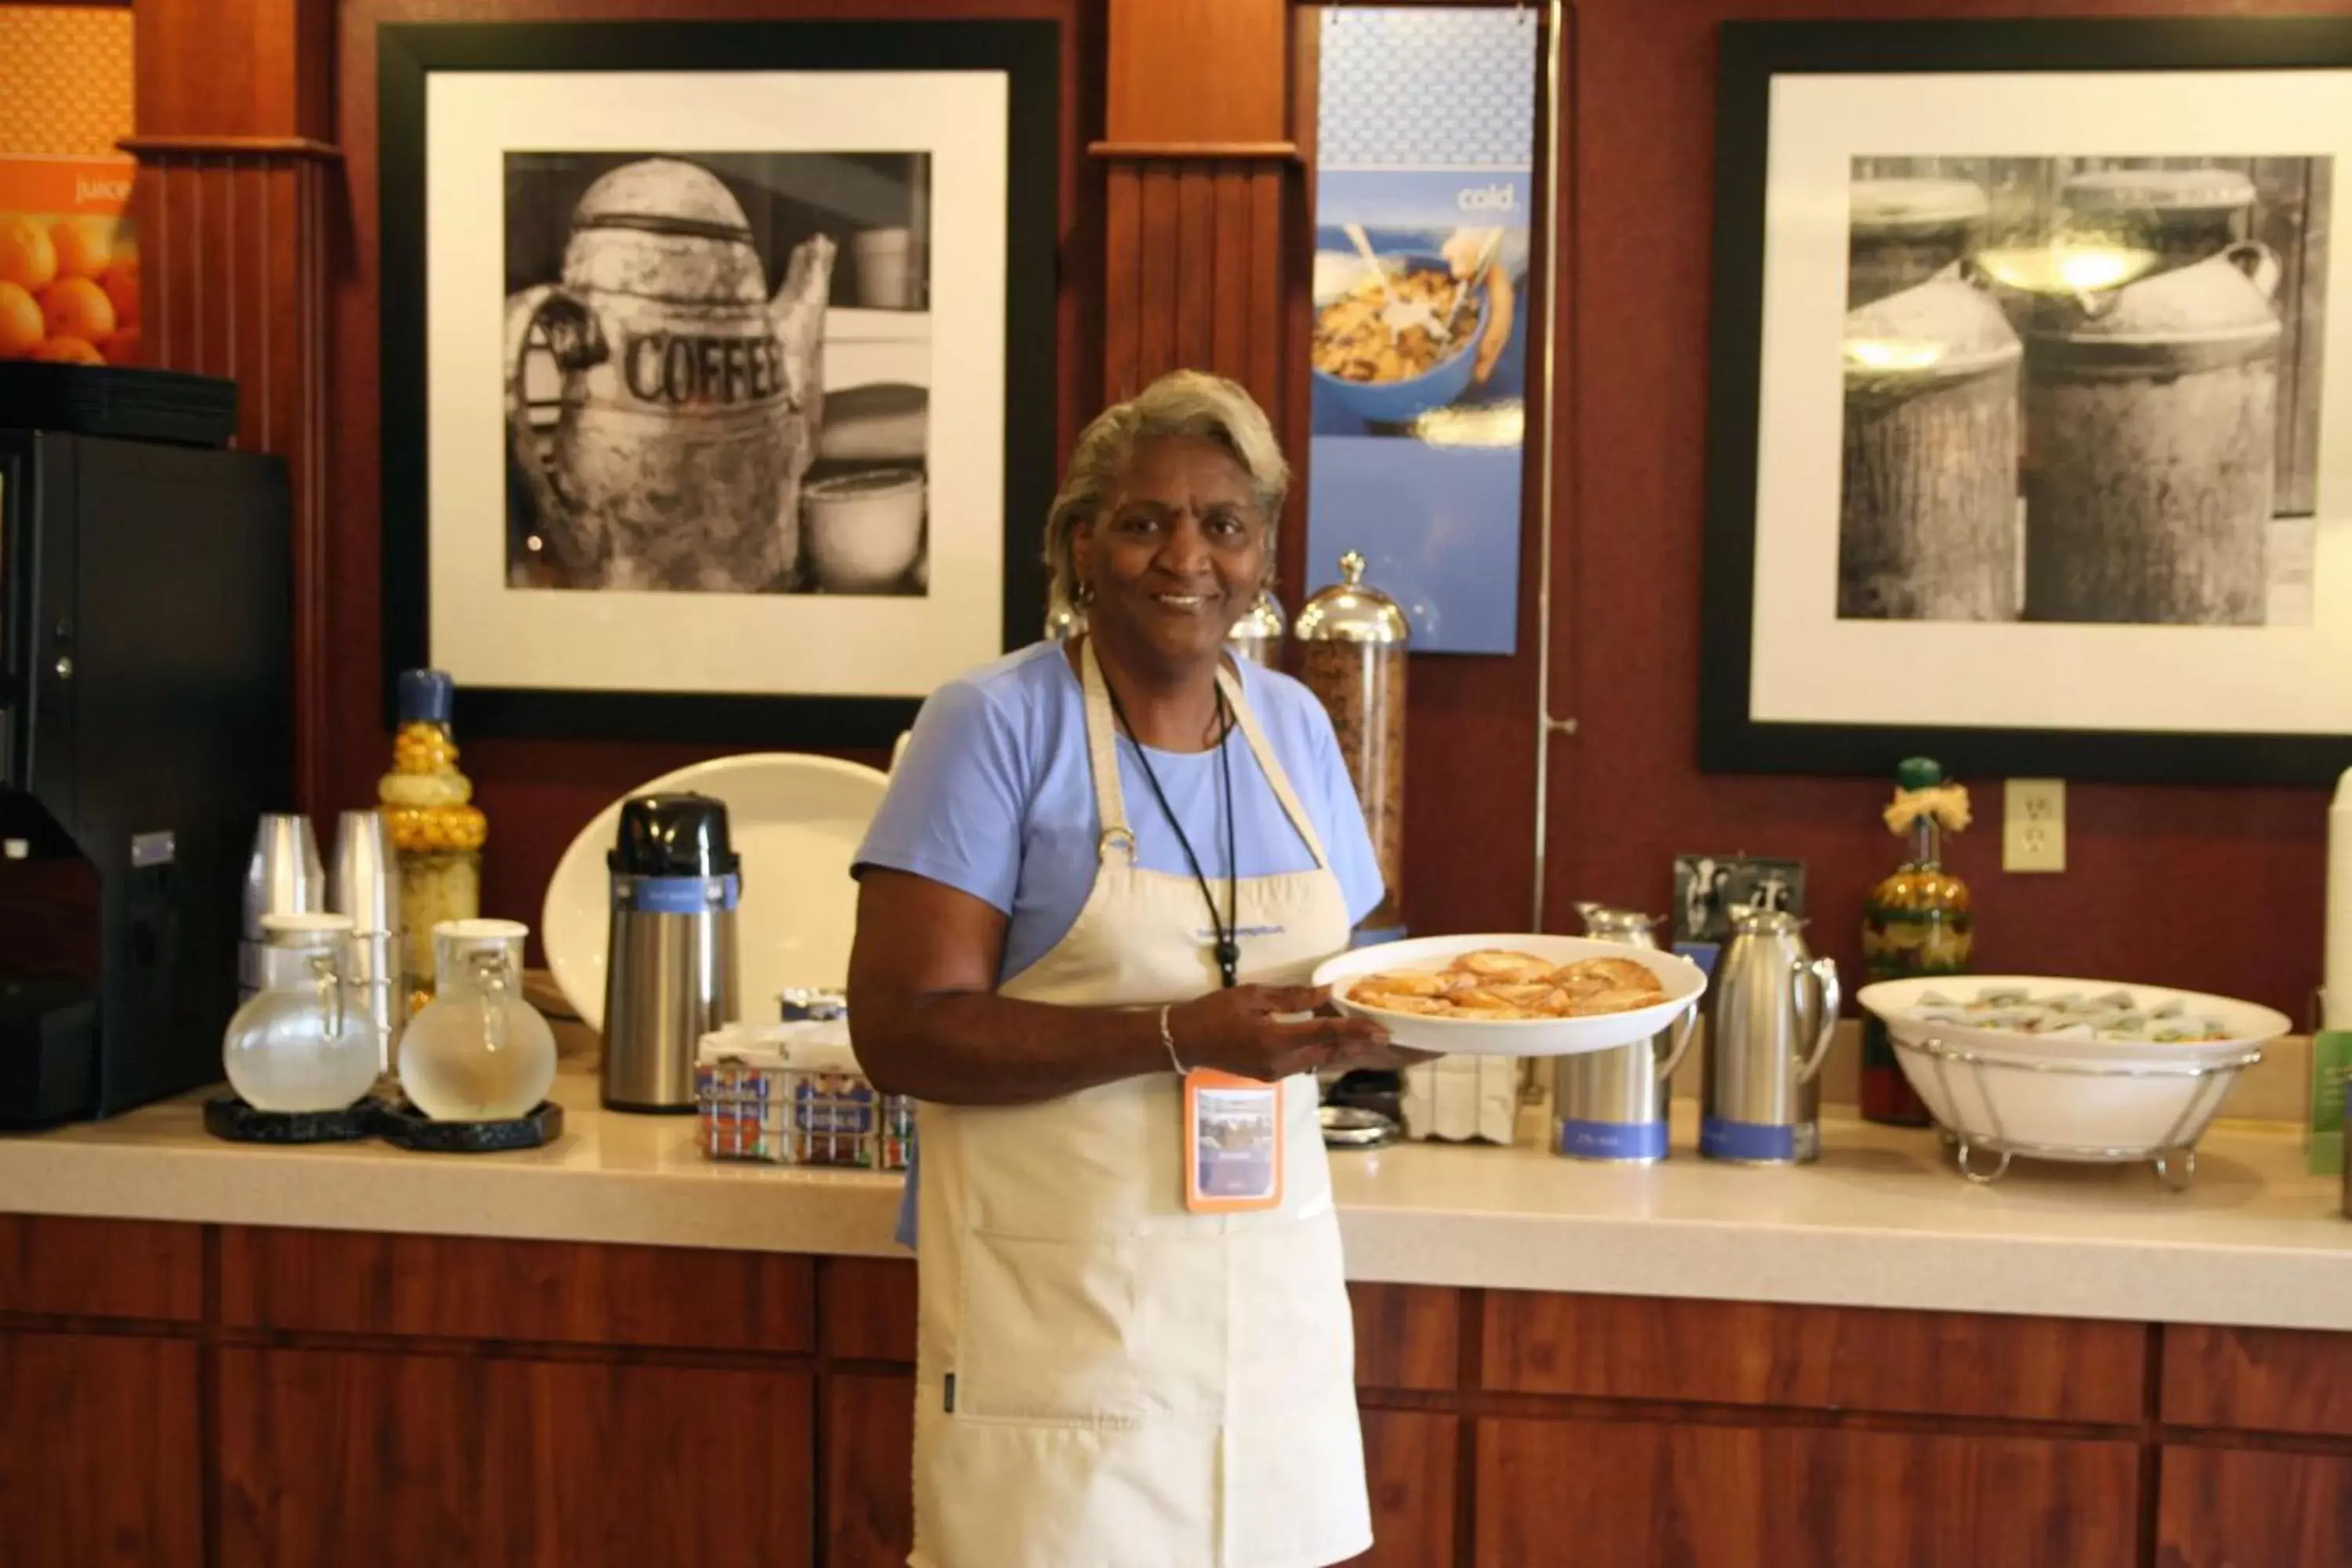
(2033, 826)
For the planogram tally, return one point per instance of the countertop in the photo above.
(1882, 1221)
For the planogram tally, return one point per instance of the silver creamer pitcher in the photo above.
(1611, 1105)
(1772, 1012)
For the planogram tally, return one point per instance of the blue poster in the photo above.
(1425, 146)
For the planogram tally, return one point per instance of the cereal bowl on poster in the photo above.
(744, 401)
(1430, 372)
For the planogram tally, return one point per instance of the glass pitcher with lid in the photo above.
(478, 1051)
(303, 1042)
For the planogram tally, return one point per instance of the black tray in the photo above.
(124, 402)
(409, 1128)
(228, 1116)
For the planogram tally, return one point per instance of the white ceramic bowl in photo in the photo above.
(1683, 980)
(2250, 1027)
(795, 822)
(861, 532)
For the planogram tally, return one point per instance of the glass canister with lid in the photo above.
(302, 1043)
(1257, 636)
(1351, 654)
(437, 830)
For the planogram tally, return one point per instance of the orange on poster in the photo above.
(69, 260)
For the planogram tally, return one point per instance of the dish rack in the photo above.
(2198, 1087)
(794, 1095)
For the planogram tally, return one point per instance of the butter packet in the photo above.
(2331, 1067)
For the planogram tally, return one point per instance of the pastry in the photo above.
(1493, 985)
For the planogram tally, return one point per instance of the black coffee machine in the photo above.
(145, 715)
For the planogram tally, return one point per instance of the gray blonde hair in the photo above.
(1181, 403)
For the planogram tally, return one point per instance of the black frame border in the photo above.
(1027, 52)
(1749, 55)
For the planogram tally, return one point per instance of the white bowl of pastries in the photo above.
(2070, 1069)
(1524, 995)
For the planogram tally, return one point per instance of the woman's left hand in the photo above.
(1386, 1055)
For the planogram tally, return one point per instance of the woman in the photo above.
(1087, 912)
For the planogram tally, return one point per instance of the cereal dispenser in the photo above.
(436, 829)
(1257, 636)
(1351, 654)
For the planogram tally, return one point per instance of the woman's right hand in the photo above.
(1254, 1032)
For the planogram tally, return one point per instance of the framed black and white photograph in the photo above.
(718, 368)
(2029, 417)
(1708, 888)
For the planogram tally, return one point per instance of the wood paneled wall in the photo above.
(1192, 270)
(238, 87)
(236, 195)
(1195, 105)
(1633, 343)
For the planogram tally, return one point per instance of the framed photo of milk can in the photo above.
(718, 368)
(2029, 434)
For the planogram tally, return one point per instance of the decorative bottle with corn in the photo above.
(435, 827)
(1916, 922)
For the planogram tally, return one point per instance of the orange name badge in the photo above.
(1232, 1136)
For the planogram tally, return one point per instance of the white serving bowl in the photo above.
(2092, 1112)
(2067, 1098)
(2249, 1026)
(1684, 982)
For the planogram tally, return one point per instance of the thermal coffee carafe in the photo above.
(670, 975)
(1611, 1105)
(1773, 1011)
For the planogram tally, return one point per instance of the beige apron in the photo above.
(1105, 1379)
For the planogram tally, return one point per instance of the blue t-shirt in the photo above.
(995, 797)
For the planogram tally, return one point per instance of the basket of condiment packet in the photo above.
(792, 1094)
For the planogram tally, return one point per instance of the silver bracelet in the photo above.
(1168, 1038)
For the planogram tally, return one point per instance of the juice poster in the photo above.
(69, 260)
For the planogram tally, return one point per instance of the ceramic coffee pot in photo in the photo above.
(687, 401)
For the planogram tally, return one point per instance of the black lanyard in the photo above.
(1228, 930)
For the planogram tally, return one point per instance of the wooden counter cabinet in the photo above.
(102, 1446)
(387, 1459)
(275, 1398)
